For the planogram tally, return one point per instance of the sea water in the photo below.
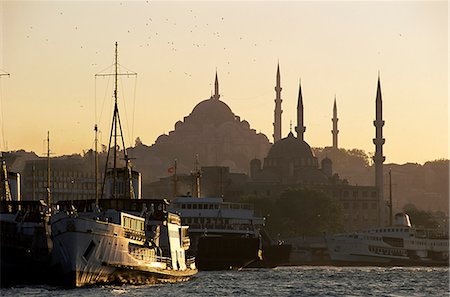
(281, 281)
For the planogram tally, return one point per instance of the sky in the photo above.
(52, 51)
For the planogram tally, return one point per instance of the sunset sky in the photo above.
(53, 50)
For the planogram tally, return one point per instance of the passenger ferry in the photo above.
(140, 244)
(224, 235)
(119, 237)
(400, 244)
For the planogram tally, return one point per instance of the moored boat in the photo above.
(224, 235)
(400, 244)
(25, 243)
(119, 237)
(141, 244)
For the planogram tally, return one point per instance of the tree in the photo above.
(304, 211)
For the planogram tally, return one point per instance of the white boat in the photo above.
(224, 235)
(119, 238)
(144, 246)
(400, 244)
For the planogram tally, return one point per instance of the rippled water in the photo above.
(282, 281)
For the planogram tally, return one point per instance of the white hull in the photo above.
(91, 252)
(396, 246)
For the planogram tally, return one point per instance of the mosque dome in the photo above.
(290, 148)
(212, 111)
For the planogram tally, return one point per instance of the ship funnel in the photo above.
(402, 219)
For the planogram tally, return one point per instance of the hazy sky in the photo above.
(53, 50)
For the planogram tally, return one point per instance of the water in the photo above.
(282, 281)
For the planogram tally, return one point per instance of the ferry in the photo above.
(224, 235)
(140, 244)
(228, 235)
(400, 244)
(118, 237)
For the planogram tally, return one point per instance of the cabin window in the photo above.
(211, 206)
(194, 206)
(183, 205)
(189, 206)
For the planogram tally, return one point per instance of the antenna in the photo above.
(175, 178)
(116, 124)
(96, 165)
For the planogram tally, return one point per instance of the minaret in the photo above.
(278, 111)
(378, 158)
(300, 129)
(216, 88)
(335, 130)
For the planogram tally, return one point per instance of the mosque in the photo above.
(224, 142)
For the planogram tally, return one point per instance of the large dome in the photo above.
(212, 111)
(290, 148)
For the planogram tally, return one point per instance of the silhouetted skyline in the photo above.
(53, 50)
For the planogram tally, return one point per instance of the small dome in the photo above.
(326, 160)
(212, 111)
(290, 148)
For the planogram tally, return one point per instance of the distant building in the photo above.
(72, 178)
(290, 162)
(211, 131)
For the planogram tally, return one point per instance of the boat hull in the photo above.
(357, 252)
(88, 252)
(226, 252)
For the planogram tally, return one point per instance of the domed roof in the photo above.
(290, 148)
(212, 111)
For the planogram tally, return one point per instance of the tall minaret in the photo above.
(335, 130)
(378, 158)
(278, 111)
(216, 88)
(300, 129)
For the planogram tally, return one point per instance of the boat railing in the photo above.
(134, 234)
(165, 260)
(190, 261)
(235, 227)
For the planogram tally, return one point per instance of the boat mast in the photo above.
(6, 192)
(197, 177)
(48, 170)
(116, 127)
(96, 164)
(175, 178)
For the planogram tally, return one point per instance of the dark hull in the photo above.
(24, 259)
(273, 256)
(226, 252)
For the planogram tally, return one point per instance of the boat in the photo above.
(398, 244)
(119, 237)
(142, 243)
(25, 244)
(224, 235)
